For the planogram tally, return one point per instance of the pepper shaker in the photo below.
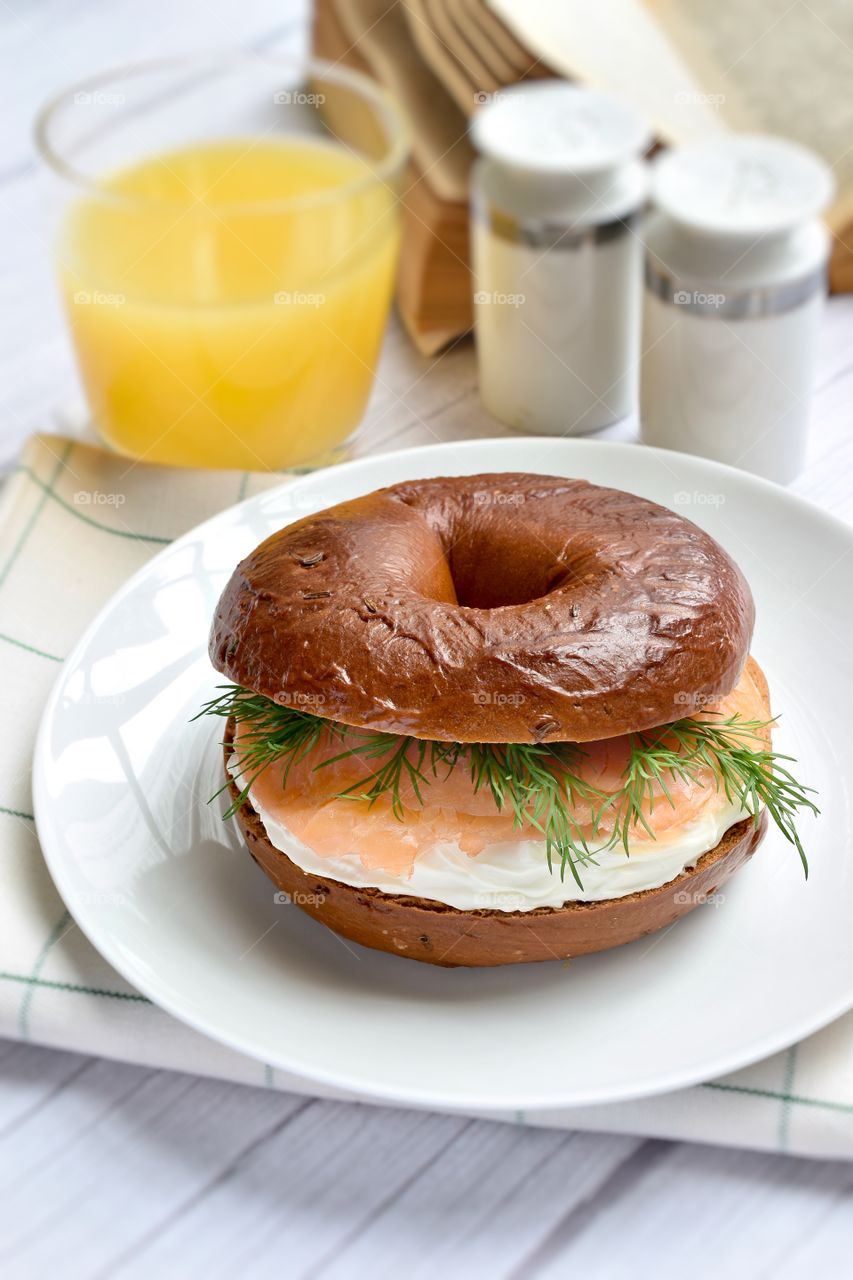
(556, 197)
(735, 281)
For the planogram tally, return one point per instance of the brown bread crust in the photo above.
(489, 608)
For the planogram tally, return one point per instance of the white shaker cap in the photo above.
(550, 127)
(742, 185)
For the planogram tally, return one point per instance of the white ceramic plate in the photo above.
(168, 894)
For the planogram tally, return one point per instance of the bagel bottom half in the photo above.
(438, 934)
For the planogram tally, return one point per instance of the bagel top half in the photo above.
(488, 608)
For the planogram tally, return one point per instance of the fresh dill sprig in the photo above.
(269, 733)
(387, 778)
(736, 753)
(534, 782)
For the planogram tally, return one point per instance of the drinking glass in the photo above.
(226, 246)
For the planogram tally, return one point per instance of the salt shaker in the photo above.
(735, 280)
(556, 197)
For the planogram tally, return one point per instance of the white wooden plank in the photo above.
(116, 1154)
(699, 1212)
(350, 1191)
(29, 1077)
(482, 1207)
(300, 1194)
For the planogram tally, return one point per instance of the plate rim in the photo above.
(682, 1078)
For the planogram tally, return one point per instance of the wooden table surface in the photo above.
(116, 1170)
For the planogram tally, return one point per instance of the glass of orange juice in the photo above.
(226, 250)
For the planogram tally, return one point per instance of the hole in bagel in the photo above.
(491, 569)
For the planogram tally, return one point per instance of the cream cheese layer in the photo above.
(513, 875)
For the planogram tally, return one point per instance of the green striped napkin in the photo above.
(75, 522)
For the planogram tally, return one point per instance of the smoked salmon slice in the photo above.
(311, 807)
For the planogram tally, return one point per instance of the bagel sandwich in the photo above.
(496, 719)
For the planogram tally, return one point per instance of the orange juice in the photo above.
(227, 301)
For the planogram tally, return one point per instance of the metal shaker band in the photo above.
(538, 233)
(738, 304)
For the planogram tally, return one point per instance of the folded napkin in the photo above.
(75, 522)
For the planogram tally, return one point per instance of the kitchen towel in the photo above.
(75, 523)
